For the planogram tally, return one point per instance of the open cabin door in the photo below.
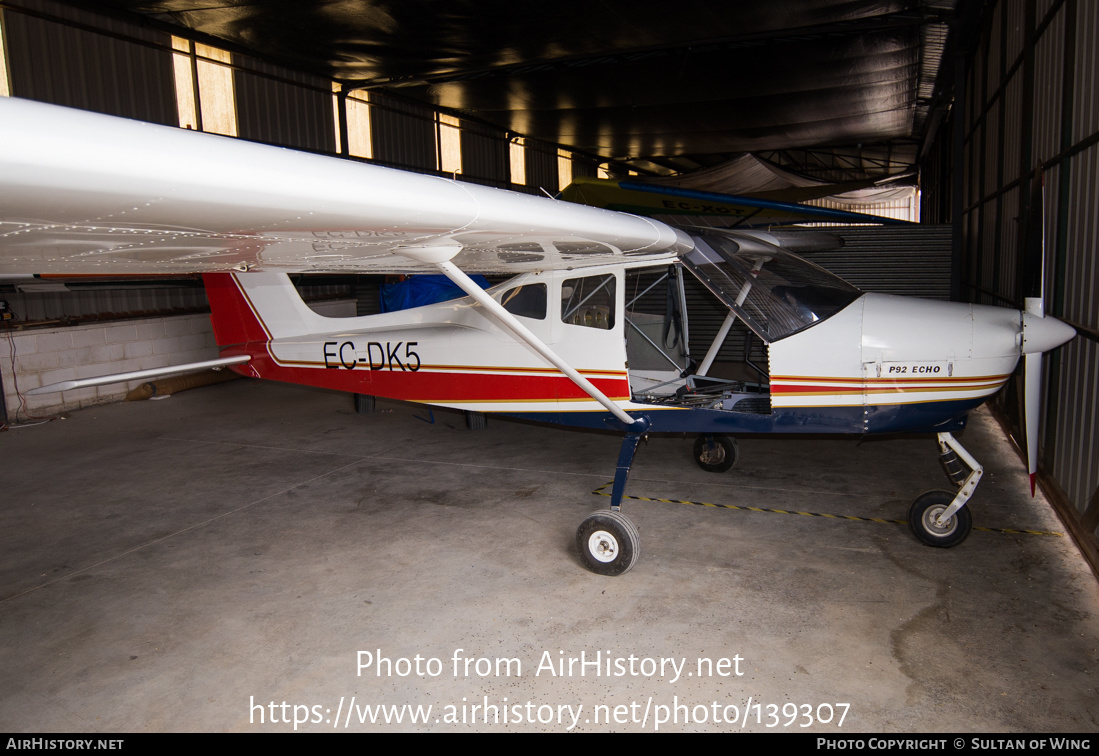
(764, 288)
(662, 369)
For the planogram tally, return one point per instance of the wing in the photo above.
(86, 193)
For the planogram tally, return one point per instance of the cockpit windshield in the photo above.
(776, 293)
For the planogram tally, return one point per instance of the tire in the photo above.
(476, 421)
(928, 506)
(608, 543)
(715, 453)
(364, 404)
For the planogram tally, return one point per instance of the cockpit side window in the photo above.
(526, 301)
(589, 301)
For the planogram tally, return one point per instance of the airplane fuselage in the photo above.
(882, 364)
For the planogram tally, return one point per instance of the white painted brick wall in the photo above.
(49, 355)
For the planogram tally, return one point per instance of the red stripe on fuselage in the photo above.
(438, 388)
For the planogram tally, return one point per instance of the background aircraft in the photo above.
(677, 205)
(570, 339)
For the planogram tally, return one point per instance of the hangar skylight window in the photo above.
(517, 154)
(5, 85)
(204, 87)
(564, 168)
(357, 112)
(359, 137)
(450, 143)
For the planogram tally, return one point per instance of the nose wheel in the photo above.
(926, 522)
(941, 518)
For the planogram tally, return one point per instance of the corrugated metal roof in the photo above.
(654, 87)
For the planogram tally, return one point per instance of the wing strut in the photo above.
(138, 375)
(454, 273)
(722, 332)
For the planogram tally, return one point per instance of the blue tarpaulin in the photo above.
(417, 291)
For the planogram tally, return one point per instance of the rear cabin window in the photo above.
(588, 301)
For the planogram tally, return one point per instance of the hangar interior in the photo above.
(945, 112)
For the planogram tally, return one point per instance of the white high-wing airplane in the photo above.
(560, 342)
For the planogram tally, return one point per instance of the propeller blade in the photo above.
(1033, 250)
(1032, 388)
(1040, 335)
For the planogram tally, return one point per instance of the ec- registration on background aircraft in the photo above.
(571, 338)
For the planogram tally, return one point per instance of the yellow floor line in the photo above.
(601, 491)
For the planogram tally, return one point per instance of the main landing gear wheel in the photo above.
(476, 421)
(608, 543)
(926, 508)
(364, 403)
(715, 453)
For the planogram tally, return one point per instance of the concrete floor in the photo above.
(181, 564)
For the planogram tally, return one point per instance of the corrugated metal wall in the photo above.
(115, 302)
(541, 169)
(279, 106)
(403, 133)
(1032, 98)
(485, 155)
(123, 68)
(911, 261)
(584, 167)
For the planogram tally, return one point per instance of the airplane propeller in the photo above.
(1040, 334)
